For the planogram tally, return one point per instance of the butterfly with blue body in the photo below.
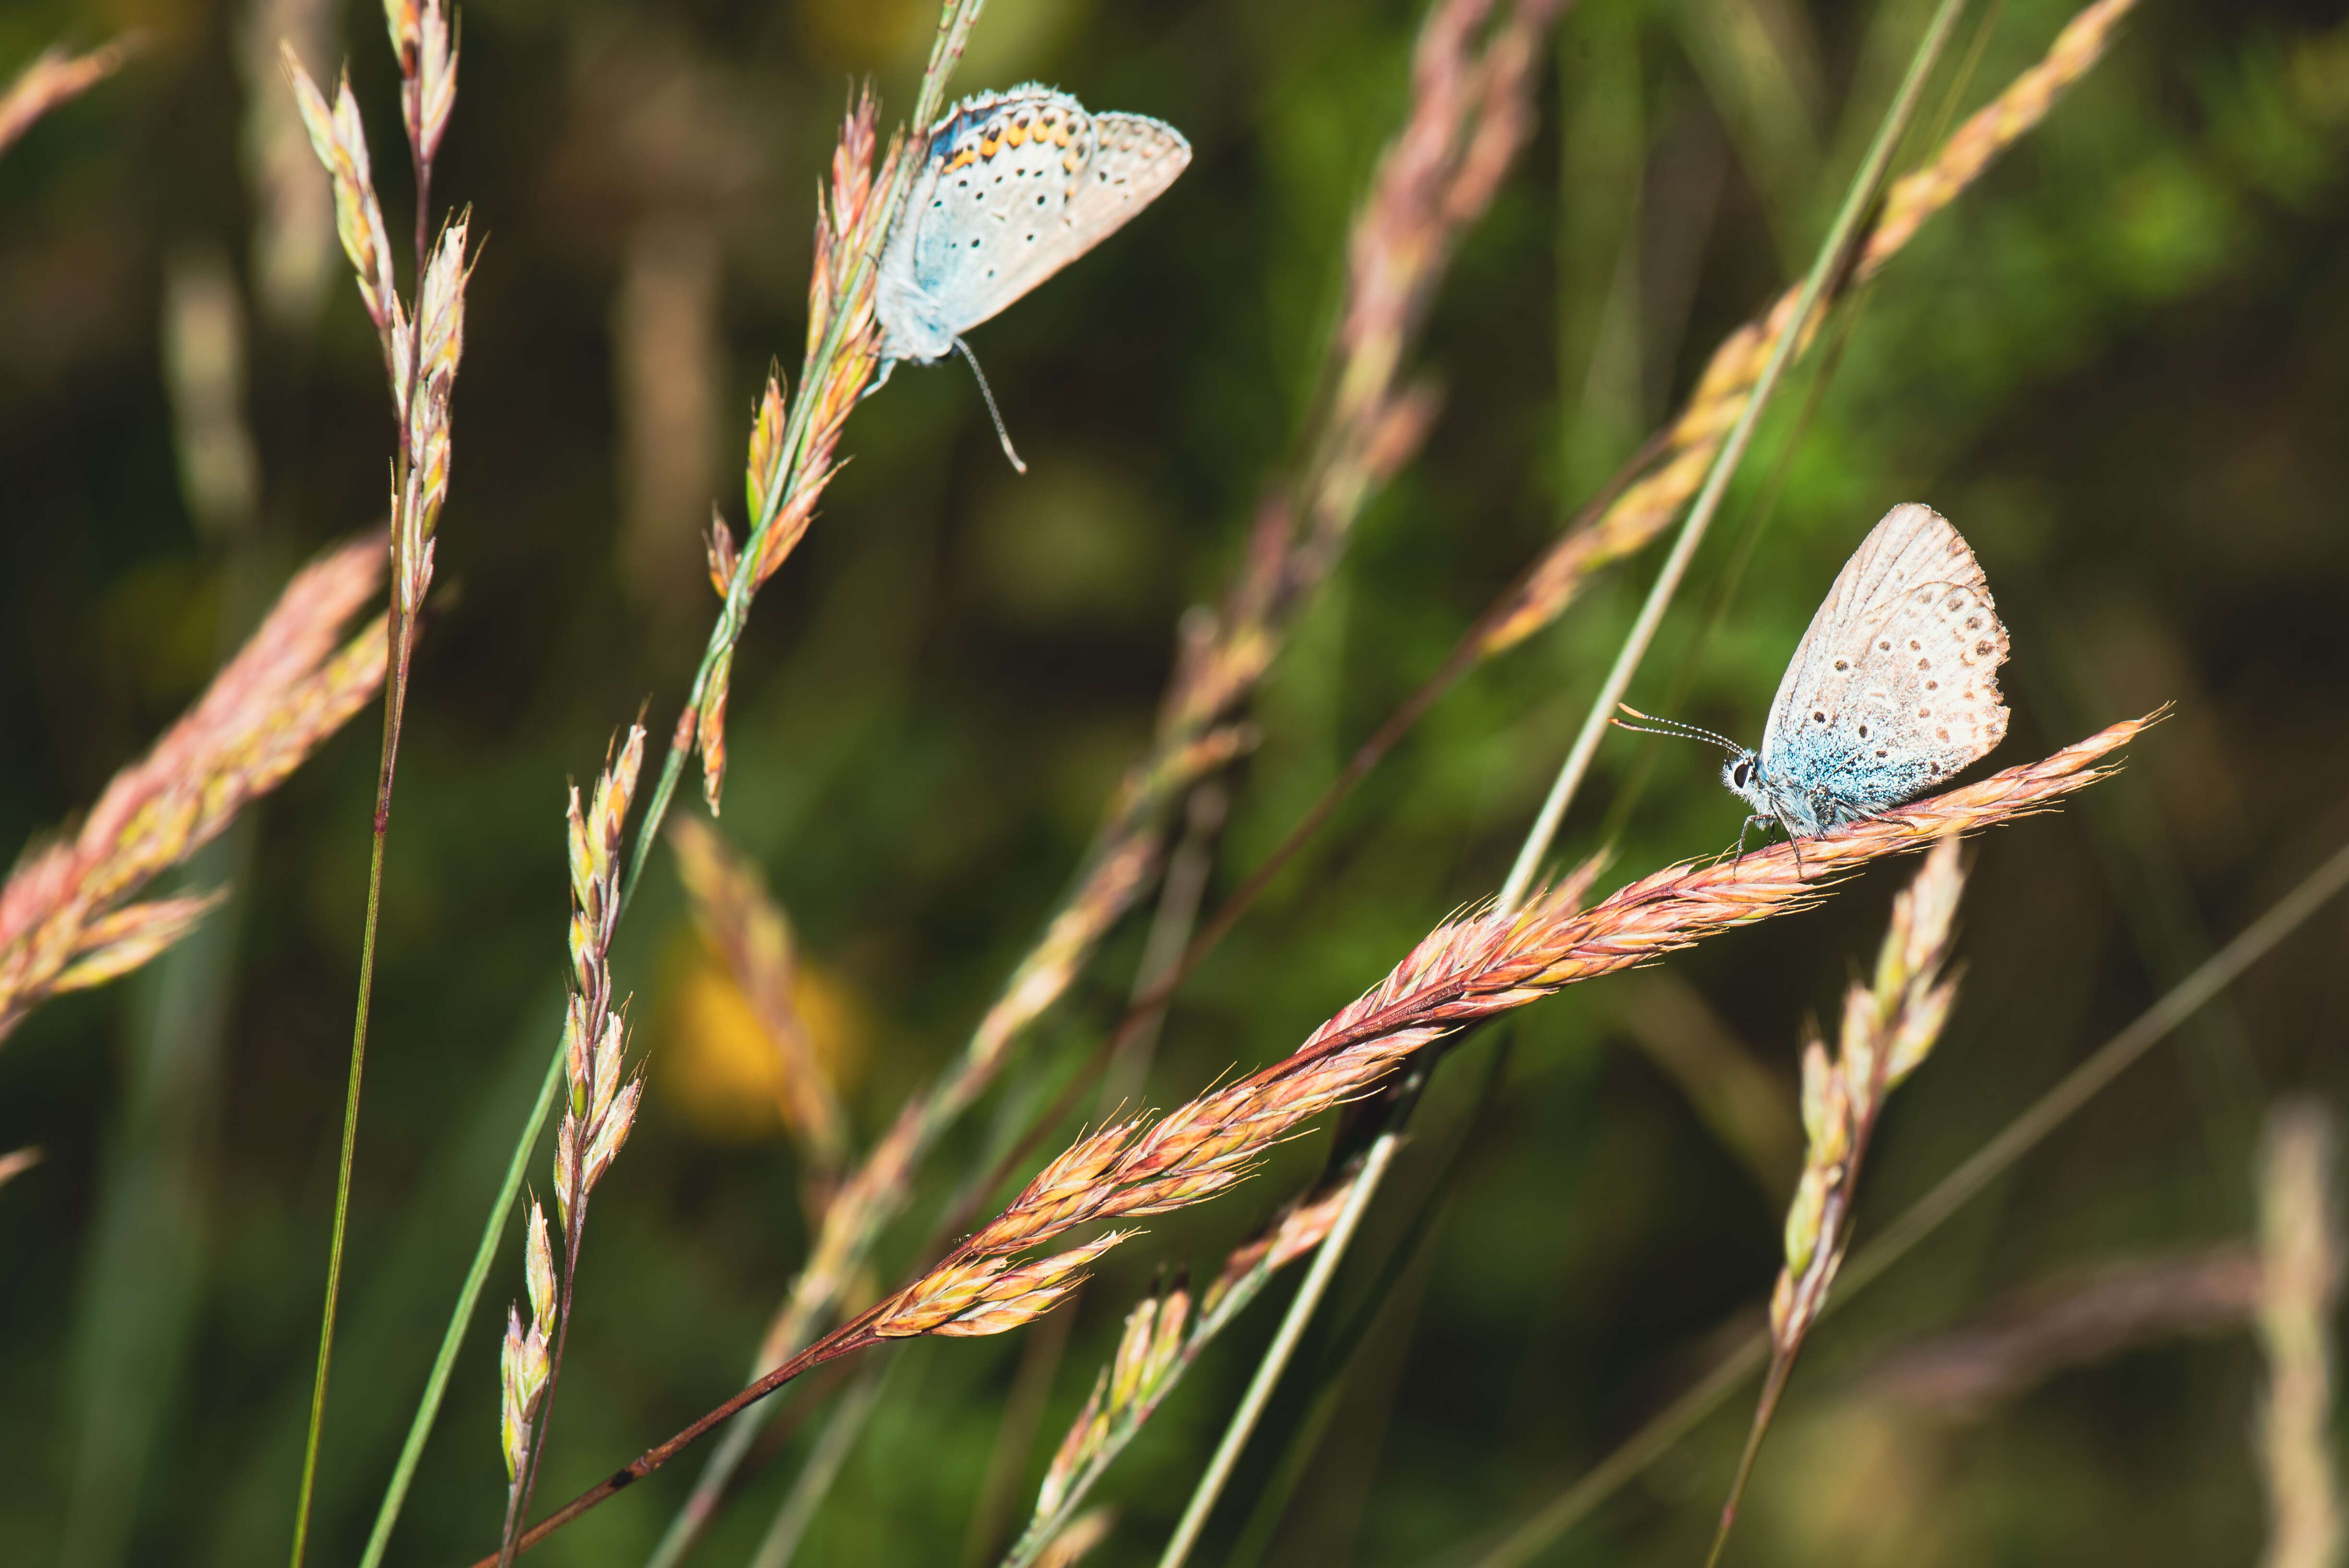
(1892, 690)
(1015, 186)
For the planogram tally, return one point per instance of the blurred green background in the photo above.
(2120, 364)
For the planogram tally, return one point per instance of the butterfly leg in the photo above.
(1795, 842)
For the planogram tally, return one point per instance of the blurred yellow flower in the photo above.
(714, 1061)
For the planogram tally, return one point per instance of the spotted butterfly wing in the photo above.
(1017, 186)
(1895, 686)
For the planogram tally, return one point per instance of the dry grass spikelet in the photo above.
(56, 77)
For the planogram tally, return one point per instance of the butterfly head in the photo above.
(1742, 775)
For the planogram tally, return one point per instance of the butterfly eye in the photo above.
(1743, 770)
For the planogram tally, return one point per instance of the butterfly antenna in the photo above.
(989, 393)
(1674, 728)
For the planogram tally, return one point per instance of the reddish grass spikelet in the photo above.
(709, 728)
(990, 1295)
(763, 472)
(64, 922)
(792, 454)
(427, 49)
(723, 554)
(55, 77)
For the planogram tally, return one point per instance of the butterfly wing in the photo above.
(1895, 685)
(1026, 183)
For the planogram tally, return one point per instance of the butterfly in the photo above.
(1892, 690)
(1015, 186)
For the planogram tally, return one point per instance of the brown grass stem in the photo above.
(2032, 1126)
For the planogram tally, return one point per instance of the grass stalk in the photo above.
(422, 345)
(841, 1430)
(1364, 1186)
(452, 1337)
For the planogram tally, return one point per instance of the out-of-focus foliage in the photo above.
(2118, 365)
